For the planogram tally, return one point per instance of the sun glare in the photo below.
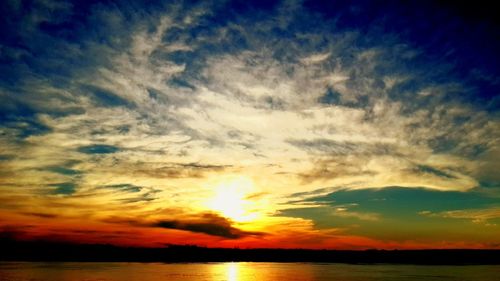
(232, 272)
(230, 199)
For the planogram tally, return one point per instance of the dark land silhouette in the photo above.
(13, 250)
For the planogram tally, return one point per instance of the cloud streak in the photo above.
(208, 224)
(476, 215)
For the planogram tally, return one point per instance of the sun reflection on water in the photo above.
(232, 270)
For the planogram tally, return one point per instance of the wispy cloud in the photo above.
(344, 212)
(475, 215)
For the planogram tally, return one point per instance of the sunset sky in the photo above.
(309, 124)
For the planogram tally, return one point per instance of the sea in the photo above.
(240, 271)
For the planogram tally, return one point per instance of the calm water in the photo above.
(27, 271)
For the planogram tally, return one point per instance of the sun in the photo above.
(231, 199)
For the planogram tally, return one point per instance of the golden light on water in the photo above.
(232, 272)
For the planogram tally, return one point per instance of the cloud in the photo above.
(98, 149)
(14, 231)
(344, 212)
(42, 215)
(204, 223)
(167, 170)
(106, 98)
(168, 77)
(124, 186)
(5, 157)
(330, 97)
(124, 193)
(210, 224)
(475, 215)
(63, 171)
(65, 188)
(20, 119)
(341, 148)
(327, 169)
(431, 170)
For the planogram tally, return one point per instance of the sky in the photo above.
(287, 124)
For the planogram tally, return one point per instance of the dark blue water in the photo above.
(39, 271)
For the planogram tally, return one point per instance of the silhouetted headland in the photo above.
(12, 250)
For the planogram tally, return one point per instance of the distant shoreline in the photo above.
(59, 252)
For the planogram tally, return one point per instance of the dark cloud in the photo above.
(208, 223)
(107, 98)
(6, 157)
(15, 231)
(326, 146)
(98, 149)
(310, 193)
(142, 198)
(199, 166)
(20, 118)
(21, 107)
(181, 170)
(63, 171)
(205, 223)
(334, 167)
(490, 184)
(124, 187)
(330, 97)
(65, 188)
(137, 193)
(180, 83)
(329, 147)
(27, 128)
(158, 96)
(130, 193)
(42, 215)
(434, 171)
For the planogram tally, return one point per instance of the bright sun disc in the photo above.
(230, 199)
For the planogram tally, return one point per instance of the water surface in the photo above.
(241, 271)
